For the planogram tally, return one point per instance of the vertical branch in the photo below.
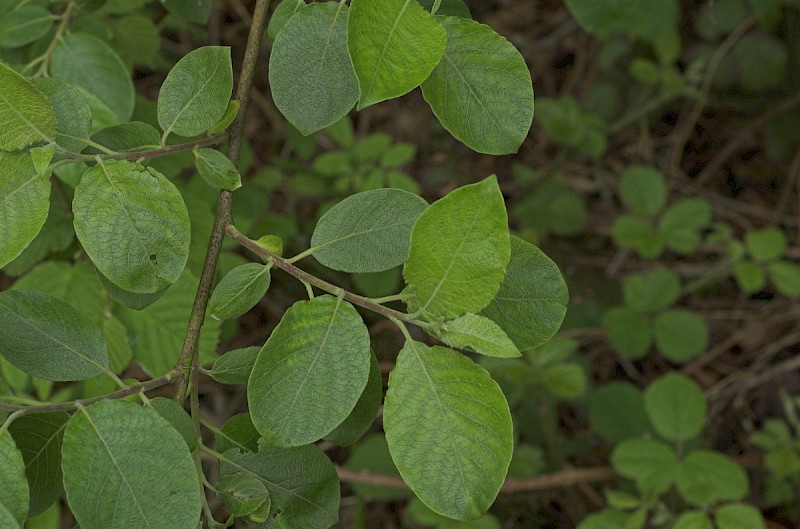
(190, 344)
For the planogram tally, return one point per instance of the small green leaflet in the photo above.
(132, 300)
(238, 433)
(24, 203)
(481, 91)
(283, 12)
(394, 44)
(310, 72)
(629, 331)
(652, 464)
(134, 225)
(643, 190)
(676, 407)
(739, 516)
(48, 338)
(449, 430)
(459, 251)
(23, 25)
(113, 451)
(310, 373)
(73, 117)
(133, 136)
(177, 417)
(367, 232)
(301, 481)
(372, 455)
(234, 367)
(680, 335)
(195, 94)
(39, 438)
(26, 115)
(601, 17)
(479, 334)
(14, 500)
(239, 291)
(706, 477)
(216, 169)
(90, 63)
(196, 11)
(532, 300)
(243, 493)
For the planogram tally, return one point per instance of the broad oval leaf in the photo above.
(195, 94)
(112, 452)
(310, 373)
(449, 430)
(26, 115)
(706, 477)
(365, 411)
(532, 299)
(652, 464)
(395, 44)
(237, 433)
(367, 232)
(643, 190)
(459, 250)
(676, 406)
(90, 63)
(680, 335)
(739, 516)
(177, 417)
(134, 225)
(243, 493)
(481, 91)
(479, 334)
(310, 72)
(283, 12)
(234, 367)
(601, 17)
(24, 203)
(24, 24)
(127, 137)
(48, 338)
(39, 437)
(131, 300)
(73, 116)
(302, 483)
(14, 499)
(217, 170)
(239, 291)
(629, 332)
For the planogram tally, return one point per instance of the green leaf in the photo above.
(628, 331)
(532, 285)
(479, 334)
(680, 335)
(372, 455)
(365, 410)
(177, 417)
(195, 94)
(765, 245)
(652, 464)
(481, 90)
(120, 353)
(739, 516)
(24, 203)
(310, 373)
(631, 231)
(786, 278)
(48, 338)
(234, 367)
(622, 500)
(39, 437)
(283, 12)
(676, 406)
(459, 251)
(132, 300)
(196, 11)
(23, 25)
(367, 232)
(91, 64)
(605, 519)
(239, 291)
(73, 117)
(133, 136)
(681, 223)
(121, 462)
(395, 45)
(750, 276)
(160, 328)
(238, 433)
(653, 291)
(26, 115)
(133, 224)
(243, 493)
(453, 8)
(693, 520)
(616, 412)
(310, 73)
(706, 477)
(449, 430)
(601, 17)
(643, 190)
(227, 118)
(566, 381)
(14, 500)
(301, 481)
